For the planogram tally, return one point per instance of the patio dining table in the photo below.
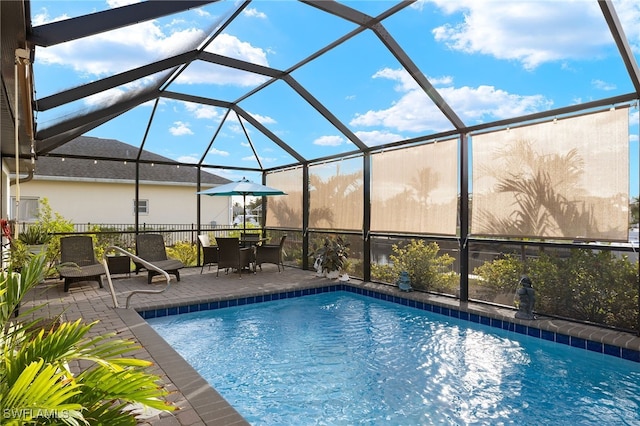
(252, 242)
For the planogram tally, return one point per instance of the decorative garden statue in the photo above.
(526, 299)
(404, 282)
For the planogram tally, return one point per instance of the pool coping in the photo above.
(215, 410)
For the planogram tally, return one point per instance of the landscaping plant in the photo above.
(185, 252)
(427, 270)
(38, 384)
(587, 285)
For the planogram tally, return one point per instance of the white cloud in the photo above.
(263, 119)
(188, 159)
(106, 98)
(603, 85)
(44, 18)
(377, 137)
(263, 160)
(119, 3)
(214, 151)
(629, 15)
(254, 13)
(202, 111)
(233, 47)
(235, 128)
(415, 112)
(180, 129)
(226, 45)
(147, 42)
(529, 32)
(329, 141)
(127, 48)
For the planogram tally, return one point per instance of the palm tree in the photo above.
(37, 384)
(423, 183)
(538, 184)
(340, 193)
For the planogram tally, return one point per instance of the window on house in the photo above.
(27, 210)
(142, 207)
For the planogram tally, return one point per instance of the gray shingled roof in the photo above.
(96, 148)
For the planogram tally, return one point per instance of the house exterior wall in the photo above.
(4, 190)
(113, 202)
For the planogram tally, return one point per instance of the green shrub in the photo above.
(427, 270)
(105, 236)
(588, 285)
(185, 252)
(383, 273)
(49, 223)
(552, 294)
(594, 286)
(500, 275)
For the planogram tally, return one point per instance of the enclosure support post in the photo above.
(305, 217)
(366, 221)
(464, 217)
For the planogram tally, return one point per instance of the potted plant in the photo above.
(331, 257)
(35, 238)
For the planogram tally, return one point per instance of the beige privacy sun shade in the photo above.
(563, 179)
(415, 189)
(285, 212)
(336, 195)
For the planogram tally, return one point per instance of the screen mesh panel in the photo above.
(285, 211)
(564, 179)
(415, 189)
(336, 195)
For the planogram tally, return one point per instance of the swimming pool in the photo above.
(340, 358)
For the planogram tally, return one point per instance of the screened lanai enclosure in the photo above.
(467, 143)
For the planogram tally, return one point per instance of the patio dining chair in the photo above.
(270, 253)
(78, 261)
(209, 252)
(232, 256)
(151, 248)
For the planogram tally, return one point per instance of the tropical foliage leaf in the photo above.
(38, 384)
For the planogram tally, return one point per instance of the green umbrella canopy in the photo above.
(242, 187)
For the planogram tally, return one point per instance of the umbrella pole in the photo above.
(244, 216)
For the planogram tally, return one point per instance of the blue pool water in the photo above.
(344, 359)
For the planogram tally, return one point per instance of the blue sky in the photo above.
(489, 60)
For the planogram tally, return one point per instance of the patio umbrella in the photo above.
(242, 187)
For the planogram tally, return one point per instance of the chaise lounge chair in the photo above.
(151, 248)
(78, 261)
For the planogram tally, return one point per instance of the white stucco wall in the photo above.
(4, 185)
(112, 202)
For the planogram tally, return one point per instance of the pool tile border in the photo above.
(501, 323)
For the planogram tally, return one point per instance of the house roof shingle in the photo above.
(92, 167)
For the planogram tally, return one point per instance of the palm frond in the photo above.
(42, 388)
(127, 385)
